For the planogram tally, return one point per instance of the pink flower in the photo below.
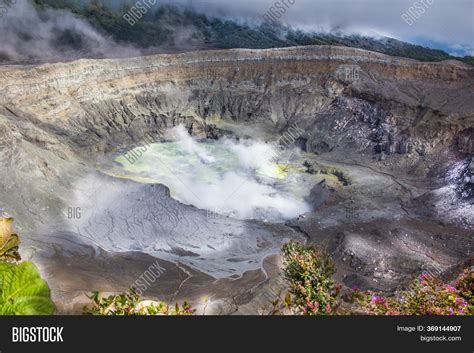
(313, 306)
(378, 300)
(460, 301)
(451, 289)
(424, 276)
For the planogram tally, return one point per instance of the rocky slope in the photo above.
(401, 129)
(377, 103)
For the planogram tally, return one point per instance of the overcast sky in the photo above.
(447, 24)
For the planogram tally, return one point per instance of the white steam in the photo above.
(237, 179)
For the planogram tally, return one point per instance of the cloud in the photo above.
(445, 21)
(29, 34)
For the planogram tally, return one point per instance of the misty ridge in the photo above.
(61, 30)
(30, 33)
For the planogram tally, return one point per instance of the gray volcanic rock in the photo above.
(318, 195)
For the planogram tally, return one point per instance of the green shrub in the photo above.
(129, 303)
(465, 286)
(426, 295)
(22, 291)
(339, 174)
(309, 271)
